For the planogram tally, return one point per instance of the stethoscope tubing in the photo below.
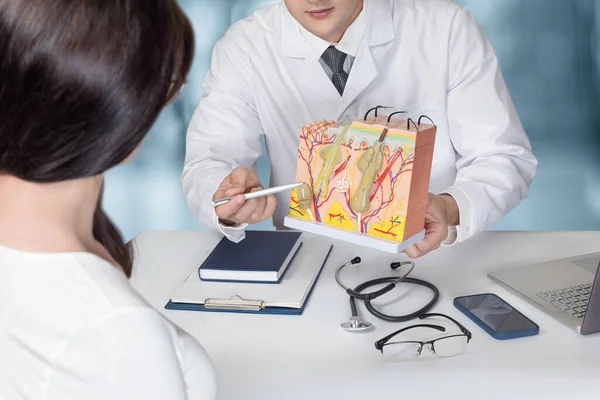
(369, 306)
(355, 294)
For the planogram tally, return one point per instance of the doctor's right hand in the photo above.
(238, 210)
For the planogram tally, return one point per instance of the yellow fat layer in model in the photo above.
(337, 216)
(391, 228)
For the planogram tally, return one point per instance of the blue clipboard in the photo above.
(237, 304)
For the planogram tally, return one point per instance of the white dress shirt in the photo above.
(424, 57)
(349, 43)
(72, 327)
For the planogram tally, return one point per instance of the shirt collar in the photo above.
(349, 43)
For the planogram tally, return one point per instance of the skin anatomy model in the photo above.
(366, 181)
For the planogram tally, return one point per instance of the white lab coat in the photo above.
(421, 56)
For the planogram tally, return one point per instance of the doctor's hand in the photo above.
(238, 210)
(441, 212)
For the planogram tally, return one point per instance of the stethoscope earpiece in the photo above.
(398, 264)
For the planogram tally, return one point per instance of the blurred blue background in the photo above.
(549, 52)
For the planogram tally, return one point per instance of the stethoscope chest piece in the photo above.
(356, 324)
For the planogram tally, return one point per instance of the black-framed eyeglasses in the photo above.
(446, 346)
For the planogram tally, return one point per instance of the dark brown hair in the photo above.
(81, 84)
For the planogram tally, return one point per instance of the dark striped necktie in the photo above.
(335, 60)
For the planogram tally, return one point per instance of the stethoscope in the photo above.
(356, 323)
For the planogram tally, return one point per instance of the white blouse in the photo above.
(72, 327)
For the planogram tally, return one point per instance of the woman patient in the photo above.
(81, 83)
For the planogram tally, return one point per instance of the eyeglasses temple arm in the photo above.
(462, 328)
(379, 344)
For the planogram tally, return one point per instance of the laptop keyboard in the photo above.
(573, 300)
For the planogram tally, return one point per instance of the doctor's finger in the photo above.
(222, 193)
(423, 246)
(226, 210)
(228, 183)
(245, 177)
(271, 203)
(243, 214)
(228, 189)
(434, 236)
(438, 232)
(235, 190)
(258, 213)
(420, 248)
(242, 189)
(413, 251)
(255, 216)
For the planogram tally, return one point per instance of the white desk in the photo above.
(312, 357)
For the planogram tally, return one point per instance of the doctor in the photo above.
(307, 60)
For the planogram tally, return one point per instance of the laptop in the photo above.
(568, 289)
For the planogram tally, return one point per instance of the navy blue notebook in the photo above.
(262, 257)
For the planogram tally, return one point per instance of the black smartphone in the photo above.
(495, 316)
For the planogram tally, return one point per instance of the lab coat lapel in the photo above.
(305, 69)
(313, 81)
(380, 30)
(361, 75)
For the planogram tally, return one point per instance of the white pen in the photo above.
(259, 193)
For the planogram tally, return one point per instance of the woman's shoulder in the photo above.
(134, 348)
(108, 283)
(146, 353)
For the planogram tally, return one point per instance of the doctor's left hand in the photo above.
(441, 212)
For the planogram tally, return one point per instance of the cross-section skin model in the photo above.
(369, 176)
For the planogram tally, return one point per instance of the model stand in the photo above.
(366, 181)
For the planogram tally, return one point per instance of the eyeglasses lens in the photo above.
(450, 346)
(400, 351)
